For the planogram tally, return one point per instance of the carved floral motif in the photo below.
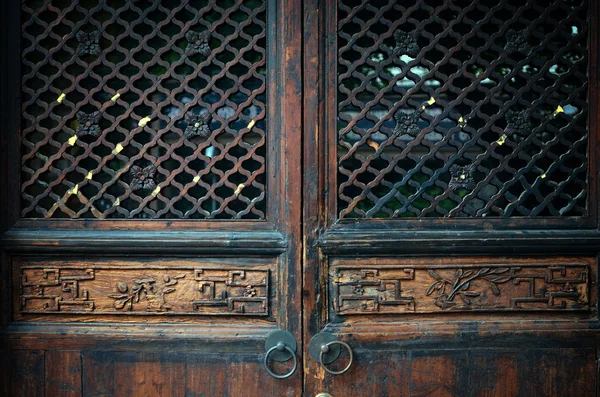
(143, 178)
(406, 43)
(385, 289)
(518, 123)
(87, 124)
(407, 123)
(89, 43)
(198, 43)
(197, 125)
(462, 177)
(462, 284)
(149, 290)
(517, 41)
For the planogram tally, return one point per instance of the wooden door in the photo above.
(451, 197)
(150, 196)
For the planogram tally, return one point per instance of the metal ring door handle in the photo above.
(280, 346)
(325, 349)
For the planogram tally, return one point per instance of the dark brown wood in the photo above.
(447, 303)
(26, 372)
(255, 252)
(98, 373)
(63, 373)
(148, 374)
(347, 248)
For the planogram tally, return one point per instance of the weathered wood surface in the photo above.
(480, 372)
(109, 373)
(380, 286)
(477, 373)
(232, 287)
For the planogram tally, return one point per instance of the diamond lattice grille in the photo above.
(143, 109)
(462, 108)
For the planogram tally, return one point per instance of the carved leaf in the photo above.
(459, 273)
(433, 287)
(145, 281)
(499, 280)
(465, 299)
(180, 275)
(168, 290)
(495, 289)
(472, 293)
(468, 273)
(117, 296)
(172, 282)
(500, 270)
(119, 304)
(166, 278)
(434, 274)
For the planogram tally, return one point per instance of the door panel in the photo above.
(452, 197)
(479, 372)
(109, 373)
(152, 231)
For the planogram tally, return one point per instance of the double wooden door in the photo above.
(408, 189)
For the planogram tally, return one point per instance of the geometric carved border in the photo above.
(181, 290)
(491, 288)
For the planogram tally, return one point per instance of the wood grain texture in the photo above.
(206, 375)
(25, 372)
(557, 372)
(63, 373)
(522, 287)
(467, 372)
(148, 374)
(98, 374)
(497, 373)
(425, 287)
(234, 287)
(181, 374)
(438, 373)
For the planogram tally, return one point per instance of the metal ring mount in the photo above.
(325, 349)
(280, 346)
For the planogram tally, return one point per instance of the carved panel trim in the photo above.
(385, 289)
(151, 290)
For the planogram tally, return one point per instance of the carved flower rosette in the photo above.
(198, 43)
(89, 43)
(143, 178)
(87, 124)
(462, 177)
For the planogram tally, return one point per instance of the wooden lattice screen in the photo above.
(462, 108)
(143, 109)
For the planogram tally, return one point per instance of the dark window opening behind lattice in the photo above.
(462, 108)
(143, 109)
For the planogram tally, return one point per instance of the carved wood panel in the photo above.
(493, 287)
(109, 289)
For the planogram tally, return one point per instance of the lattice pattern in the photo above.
(144, 109)
(462, 108)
